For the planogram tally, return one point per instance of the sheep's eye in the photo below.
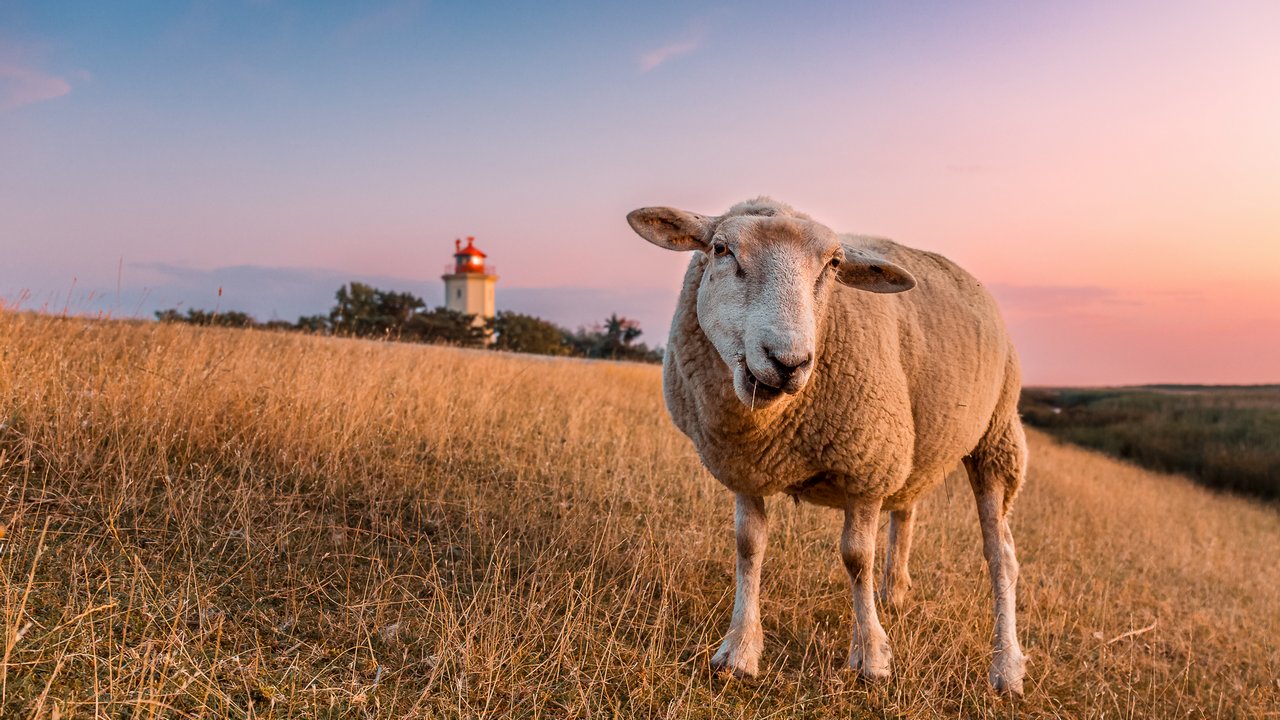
(835, 262)
(719, 249)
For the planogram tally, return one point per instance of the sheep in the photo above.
(799, 363)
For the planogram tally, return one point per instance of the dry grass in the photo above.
(221, 523)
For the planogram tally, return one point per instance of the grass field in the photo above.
(224, 523)
(1227, 437)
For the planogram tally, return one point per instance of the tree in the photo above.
(364, 311)
(313, 324)
(515, 332)
(615, 339)
(230, 318)
(395, 309)
(443, 325)
(170, 315)
(619, 333)
(356, 306)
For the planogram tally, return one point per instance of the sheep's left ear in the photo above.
(671, 228)
(865, 271)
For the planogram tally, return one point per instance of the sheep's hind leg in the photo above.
(996, 470)
(897, 558)
(739, 654)
(869, 652)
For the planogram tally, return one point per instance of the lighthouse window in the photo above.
(459, 292)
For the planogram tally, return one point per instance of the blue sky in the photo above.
(1075, 157)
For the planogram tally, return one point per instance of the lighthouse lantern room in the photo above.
(468, 289)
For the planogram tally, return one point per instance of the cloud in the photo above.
(391, 16)
(652, 59)
(1059, 300)
(20, 86)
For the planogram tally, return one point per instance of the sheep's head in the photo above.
(768, 276)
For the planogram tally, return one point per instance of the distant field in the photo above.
(1227, 437)
(223, 523)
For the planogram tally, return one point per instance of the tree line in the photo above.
(362, 310)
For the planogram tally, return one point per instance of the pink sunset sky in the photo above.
(1110, 170)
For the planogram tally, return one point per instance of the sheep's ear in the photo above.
(865, 271)
(670, 228)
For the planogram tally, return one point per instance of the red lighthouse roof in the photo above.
(468, 259)
(470, 249)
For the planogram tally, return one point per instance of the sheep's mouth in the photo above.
(757, 390)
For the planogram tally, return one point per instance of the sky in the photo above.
(1110, 170)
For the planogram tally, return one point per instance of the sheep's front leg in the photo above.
(869, 652)
(739, 654)
(897, 558)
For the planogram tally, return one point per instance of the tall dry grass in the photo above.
(222, 523)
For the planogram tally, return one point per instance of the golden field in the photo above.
(224, 523)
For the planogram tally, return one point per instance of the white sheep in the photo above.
(797, 364)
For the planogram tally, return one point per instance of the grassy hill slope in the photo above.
(1226, 437)
(206, 523)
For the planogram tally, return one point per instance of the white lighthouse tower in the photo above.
(469, 288)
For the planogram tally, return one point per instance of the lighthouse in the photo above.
(469, 288)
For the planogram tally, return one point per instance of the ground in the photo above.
(225, 523)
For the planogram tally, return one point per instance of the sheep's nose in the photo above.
(787, 363)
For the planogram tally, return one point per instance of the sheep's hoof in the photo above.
(736, 659)
(1007, 673)
(873, 662)
(723, 665)
(893, 596)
